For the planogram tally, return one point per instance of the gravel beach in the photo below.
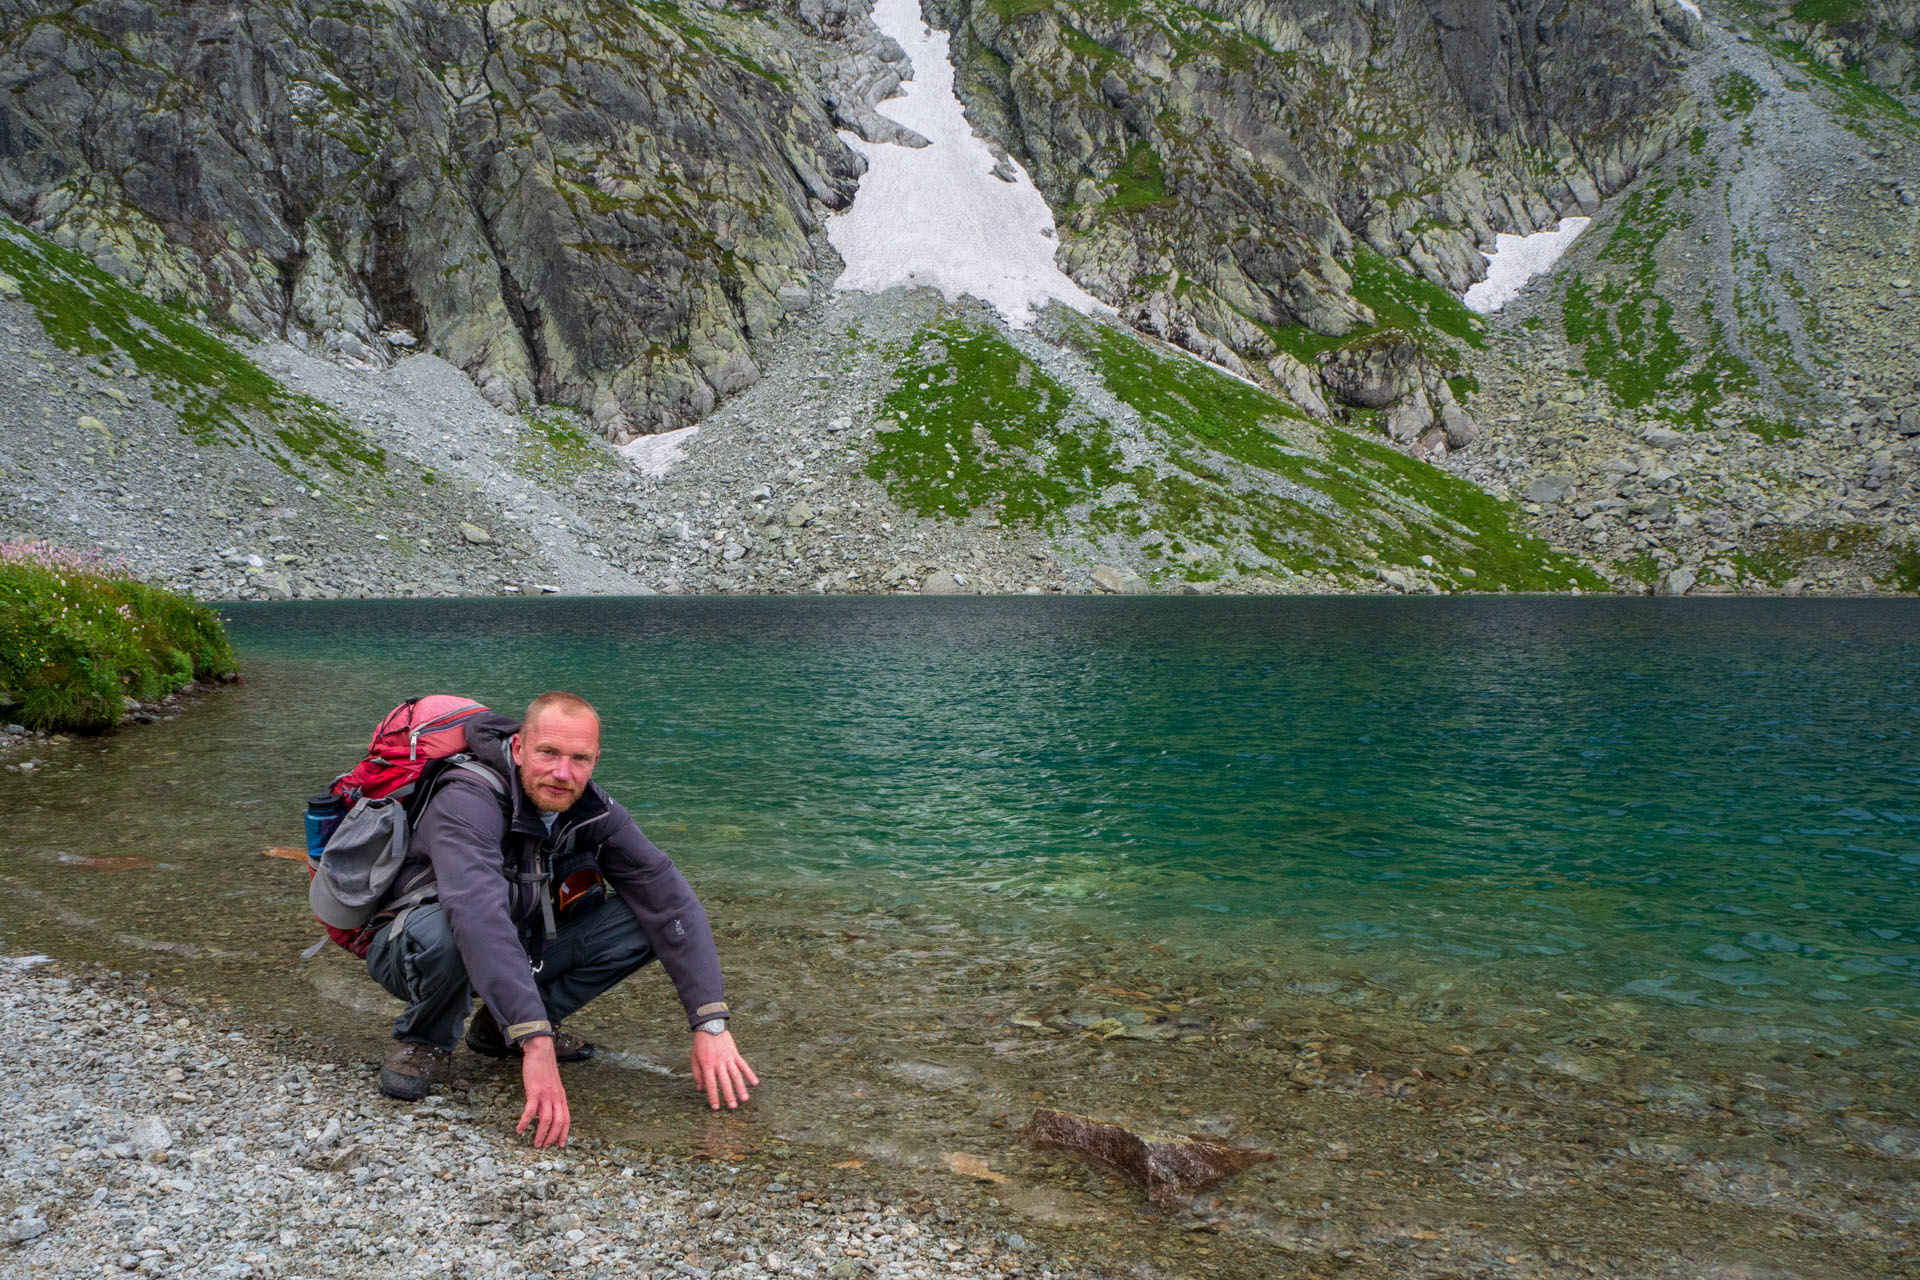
(145, 1136)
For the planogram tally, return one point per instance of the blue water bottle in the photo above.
(324, 812)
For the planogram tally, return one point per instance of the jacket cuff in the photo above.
(524, 1030)
(707, 1013)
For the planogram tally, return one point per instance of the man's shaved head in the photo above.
(567, 704)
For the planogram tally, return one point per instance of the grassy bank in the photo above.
(78, 638)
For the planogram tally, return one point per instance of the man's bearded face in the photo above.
(555, 756)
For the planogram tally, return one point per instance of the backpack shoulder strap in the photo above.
(440, 770)
(422, 889)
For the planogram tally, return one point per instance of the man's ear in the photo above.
(513, 746)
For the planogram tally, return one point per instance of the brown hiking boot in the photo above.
(412, 1069)
(484, 1037)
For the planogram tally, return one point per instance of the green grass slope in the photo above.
(217, 393)
(1204, 475)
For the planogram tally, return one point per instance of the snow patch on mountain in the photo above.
(655, 455)
(940, 215)
(1518, 259)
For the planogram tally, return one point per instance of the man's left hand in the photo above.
(719, 1070)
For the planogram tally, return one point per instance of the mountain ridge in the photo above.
(1412, 369)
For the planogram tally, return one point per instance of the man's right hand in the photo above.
(546, 1099)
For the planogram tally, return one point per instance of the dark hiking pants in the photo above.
(420, 964)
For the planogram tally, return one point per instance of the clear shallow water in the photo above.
(1435, 898)
(1709, 804)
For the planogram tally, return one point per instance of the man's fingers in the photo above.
(526, 1116)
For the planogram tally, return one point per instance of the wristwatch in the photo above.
(713, 1026)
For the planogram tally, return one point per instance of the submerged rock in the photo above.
(1169, 1170)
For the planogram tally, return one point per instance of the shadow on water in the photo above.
(1592, 920)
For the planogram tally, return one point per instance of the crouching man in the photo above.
(547, 895)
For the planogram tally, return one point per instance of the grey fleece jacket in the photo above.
(467, 835)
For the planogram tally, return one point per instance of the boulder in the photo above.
(1169, 1169)
(942, 582)
(1677, 582)
(1410, 417)
(1460, 427)
(474, 535)
(149, 1136)
(1301, 384)
(1123, 582)
(1432, 446)
(1548, 489)
(1373, 375)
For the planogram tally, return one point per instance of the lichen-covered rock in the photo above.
(1880, 37)
(1213, 167)
(578, 201)
(1225, 158)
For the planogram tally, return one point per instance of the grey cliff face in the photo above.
(1213, 169)
(597, 204)
(1879, 37)
(605, 204)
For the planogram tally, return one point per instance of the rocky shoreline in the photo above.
(150, 1136)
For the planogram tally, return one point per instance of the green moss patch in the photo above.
(217, 393)
(981, 426)
(1400, 301)
(1736, 93)
(1242, 482)
(1140, 181)
(77, 638)
(1626, 327)
(554, 445)
(1832, 12)
(1794, 552)
(1906, 569)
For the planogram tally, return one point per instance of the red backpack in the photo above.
(413, 735)
(374, 802)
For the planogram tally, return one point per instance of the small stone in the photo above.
(474, 535)
(149, 1136)
(799, 514)
(971, 1166)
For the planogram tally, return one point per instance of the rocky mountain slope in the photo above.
(313, 220)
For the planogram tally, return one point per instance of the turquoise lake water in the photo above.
(1712, 805)
(1565, 915)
